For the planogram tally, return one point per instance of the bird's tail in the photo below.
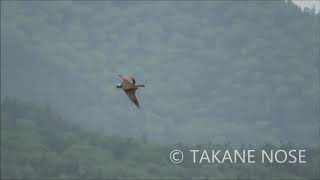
(140, 85)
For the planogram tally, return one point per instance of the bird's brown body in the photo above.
(129, 87)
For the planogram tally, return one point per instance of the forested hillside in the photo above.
(220, 71)
(37, 143)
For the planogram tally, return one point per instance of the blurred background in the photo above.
(238, 72)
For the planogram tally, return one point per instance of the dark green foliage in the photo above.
(35, 147)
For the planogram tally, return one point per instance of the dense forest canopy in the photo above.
(38, 143)
(220, 71)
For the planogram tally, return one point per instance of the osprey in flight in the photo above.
(129, 87)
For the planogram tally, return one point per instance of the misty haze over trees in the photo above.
(215, 73)
(38, 143)
(213, 70)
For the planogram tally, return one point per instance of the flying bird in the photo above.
(129, 87)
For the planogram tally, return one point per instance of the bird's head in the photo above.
(119, 86)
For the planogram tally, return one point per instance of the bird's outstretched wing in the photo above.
(132, 95)
(127, 82)
(128, 78)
